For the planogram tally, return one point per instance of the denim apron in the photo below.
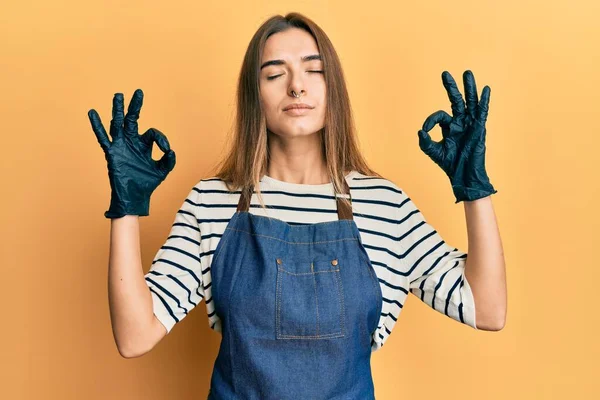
(298, 306)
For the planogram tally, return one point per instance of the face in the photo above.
(290, 72)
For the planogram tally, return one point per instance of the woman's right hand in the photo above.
(132, 172)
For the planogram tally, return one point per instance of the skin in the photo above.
(294, 141)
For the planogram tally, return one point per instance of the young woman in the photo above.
(303, 255)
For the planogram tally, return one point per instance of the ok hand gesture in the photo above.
(132, 172)
(461, 152)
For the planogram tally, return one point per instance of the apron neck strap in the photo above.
(344, 211)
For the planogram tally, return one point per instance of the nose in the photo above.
(296, 88)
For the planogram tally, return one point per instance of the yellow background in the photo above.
(62, 58)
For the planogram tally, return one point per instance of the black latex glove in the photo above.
(461, 152)
(132, 172)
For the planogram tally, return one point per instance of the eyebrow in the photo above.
(281, 62)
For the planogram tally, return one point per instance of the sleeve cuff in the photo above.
(162, 312)
(468, 304)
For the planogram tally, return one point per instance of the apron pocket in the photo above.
(309, 299)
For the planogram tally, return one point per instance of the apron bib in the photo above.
(298, 305)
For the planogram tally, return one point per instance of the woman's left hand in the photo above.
(461, 152)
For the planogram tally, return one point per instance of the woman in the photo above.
(301, 291)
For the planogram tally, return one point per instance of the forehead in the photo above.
(290, 44)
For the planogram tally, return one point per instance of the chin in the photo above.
(295, 131)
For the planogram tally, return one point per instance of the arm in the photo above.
(461, 155)
(485, 267)
(135, 329)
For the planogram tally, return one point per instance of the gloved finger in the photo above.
(441, 117)
(470, 92)
(98, 129)
(133, 112)
(116, 124)
(167, 161)
(456, 100)
(426, 144)
(483, 106)
(154, 135)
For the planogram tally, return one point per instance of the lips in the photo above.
(296, 106)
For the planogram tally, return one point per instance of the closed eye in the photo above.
(270, 78)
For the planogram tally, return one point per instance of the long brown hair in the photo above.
(248, 155)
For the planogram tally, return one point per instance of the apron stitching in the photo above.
(316, 298)
(327, 336)
(376, 283)
(308, 273)
(220, 244)
(285, 241)
(278, 304)
(341, 297)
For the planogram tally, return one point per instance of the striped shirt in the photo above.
(407, 253)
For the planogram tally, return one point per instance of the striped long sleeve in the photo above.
(175, 277)
(435, 270)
